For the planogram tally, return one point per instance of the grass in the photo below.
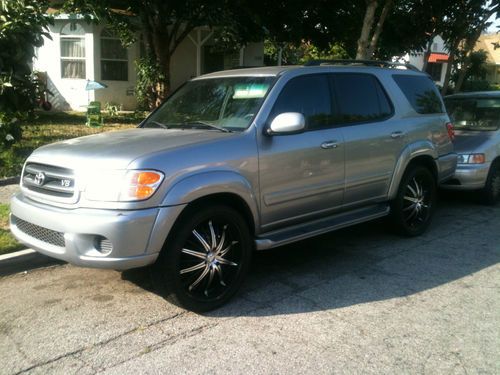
(49, 127)
(45, 128)
(8, 243)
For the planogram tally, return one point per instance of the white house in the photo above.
(437, 62)
(78, 51)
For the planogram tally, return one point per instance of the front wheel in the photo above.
(205, 258)
(413, 207)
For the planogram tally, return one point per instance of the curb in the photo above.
(9, 180)
(24, 261)
(17, 254)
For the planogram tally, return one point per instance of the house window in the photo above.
(73, 51)
(114, 59)
(215, 60)
(434, 70)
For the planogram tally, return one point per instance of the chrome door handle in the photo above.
(329, 144)
(398, 134)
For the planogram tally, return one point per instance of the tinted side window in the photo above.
(309, 95)
(421, 92)
(360, 98)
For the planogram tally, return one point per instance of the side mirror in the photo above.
(287, 123)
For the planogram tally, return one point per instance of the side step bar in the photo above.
(313, 228)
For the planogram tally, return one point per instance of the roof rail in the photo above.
(377, 63)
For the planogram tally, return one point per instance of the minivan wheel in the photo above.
(490, 194)
(206, 258)
(413, 208)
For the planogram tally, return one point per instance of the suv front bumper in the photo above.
(131, 238)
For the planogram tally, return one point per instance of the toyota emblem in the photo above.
(39, 178)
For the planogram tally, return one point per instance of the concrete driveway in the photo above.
(356, 301)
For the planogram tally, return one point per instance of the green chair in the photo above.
(94, 117)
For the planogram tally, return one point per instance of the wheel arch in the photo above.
(408, 159)
(217, 187)
(231, 200)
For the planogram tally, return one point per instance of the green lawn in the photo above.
(45, 128)
(49, 127)
(8, 243)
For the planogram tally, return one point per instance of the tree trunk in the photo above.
(378, 28)
(163, 84)
(469, 48)
(453, 51)
(427, 53)
(369, 19)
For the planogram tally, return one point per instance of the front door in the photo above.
(302, 175)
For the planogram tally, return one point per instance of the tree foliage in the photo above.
(23, 23)
(163, 25)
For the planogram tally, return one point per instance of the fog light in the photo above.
(103, 245)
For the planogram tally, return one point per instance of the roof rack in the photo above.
(377, 63)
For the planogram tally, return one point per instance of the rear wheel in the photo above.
(205, 259)
(413, 208)
(490, 194)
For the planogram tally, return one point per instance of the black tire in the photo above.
(413, 208)
(490, 194)
(205, 259)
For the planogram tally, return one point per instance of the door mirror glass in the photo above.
(287, 123)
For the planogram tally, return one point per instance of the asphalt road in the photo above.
(360, 300)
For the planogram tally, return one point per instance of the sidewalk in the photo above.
(7, 191)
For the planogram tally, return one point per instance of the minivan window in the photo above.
(421, 92)
(309, 95)
(481, 114)
(359, 98)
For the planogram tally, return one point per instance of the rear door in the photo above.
(373, 139)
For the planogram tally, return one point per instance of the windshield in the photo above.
(474, 113)
(227, 104)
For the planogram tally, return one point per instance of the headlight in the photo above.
(122, 186)
(471, 158)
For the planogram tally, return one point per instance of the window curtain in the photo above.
(73, 57)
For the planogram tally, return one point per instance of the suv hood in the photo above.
(117, 149)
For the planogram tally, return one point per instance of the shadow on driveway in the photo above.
(366, 263)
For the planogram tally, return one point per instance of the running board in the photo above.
(314, 228)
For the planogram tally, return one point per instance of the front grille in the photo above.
(40, 233)
(49, 180)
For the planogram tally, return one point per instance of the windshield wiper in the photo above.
(206, 124)
(161, 125)
(191, 124)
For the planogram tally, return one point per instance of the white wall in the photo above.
(253, 54)
(68, 93)
(417, 58)
(118, 92)
(183, 63)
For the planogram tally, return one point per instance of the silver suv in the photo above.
(238, 161)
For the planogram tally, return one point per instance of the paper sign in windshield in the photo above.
(250, 91)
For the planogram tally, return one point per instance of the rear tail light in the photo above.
(451, 131)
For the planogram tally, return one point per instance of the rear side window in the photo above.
(359, 98)
(421, 92)
(309, 95)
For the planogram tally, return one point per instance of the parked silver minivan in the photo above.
(238, 161)
(476, 117)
